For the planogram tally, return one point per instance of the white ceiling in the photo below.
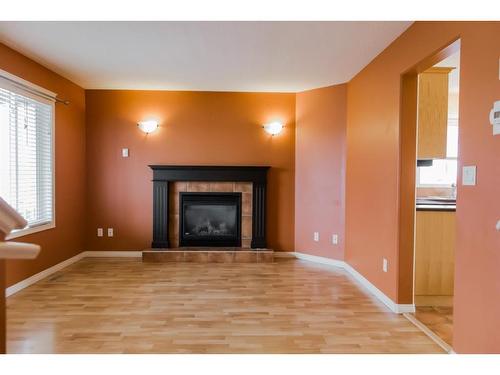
(211, 56)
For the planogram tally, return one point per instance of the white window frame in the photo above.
(20, 86)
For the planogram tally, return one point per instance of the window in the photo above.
(443, 172)
(26, 155)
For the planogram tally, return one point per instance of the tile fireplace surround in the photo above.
(169, 181)
(245, 188)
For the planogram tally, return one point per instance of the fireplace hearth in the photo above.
(210, 219)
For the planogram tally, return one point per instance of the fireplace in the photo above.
(210, 219)
(165, 178)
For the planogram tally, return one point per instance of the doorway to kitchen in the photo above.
(428, 178)
(436, 181)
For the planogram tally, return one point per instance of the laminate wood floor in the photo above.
(113, 305)
(438, 319)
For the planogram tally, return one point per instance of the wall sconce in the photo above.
(273, 128)
(148, 126)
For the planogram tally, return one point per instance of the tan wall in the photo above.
(320, 170)
(199, 128)
(67, 239)
(373, 152)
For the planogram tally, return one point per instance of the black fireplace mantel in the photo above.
(164, 174)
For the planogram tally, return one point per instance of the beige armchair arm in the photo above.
(10, 220)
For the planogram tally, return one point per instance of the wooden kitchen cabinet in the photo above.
(432, 113)
(434, 255)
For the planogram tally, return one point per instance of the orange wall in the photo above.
(320, 170)
(373, 103)
(205, 128)
(67, 239)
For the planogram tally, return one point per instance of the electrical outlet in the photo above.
(385, 265)
(125, 152)
(316, 236)
(100, 232)
(110, 232)
(335, 239)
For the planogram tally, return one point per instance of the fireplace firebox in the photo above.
(210, 219)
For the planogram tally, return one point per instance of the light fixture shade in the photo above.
(273, 128)
(148, 126)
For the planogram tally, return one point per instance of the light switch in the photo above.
(125, 152)
(469, 175)
(110, 232)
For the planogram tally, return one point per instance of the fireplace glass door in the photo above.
(210, 219)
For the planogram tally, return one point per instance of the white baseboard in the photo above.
(393, 306)
(322, 260)
(42, 275)
(59, 266)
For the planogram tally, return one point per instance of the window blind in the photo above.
(26, 155)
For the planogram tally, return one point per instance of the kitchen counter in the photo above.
(436, 204)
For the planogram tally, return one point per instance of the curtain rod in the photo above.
(33, 90)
